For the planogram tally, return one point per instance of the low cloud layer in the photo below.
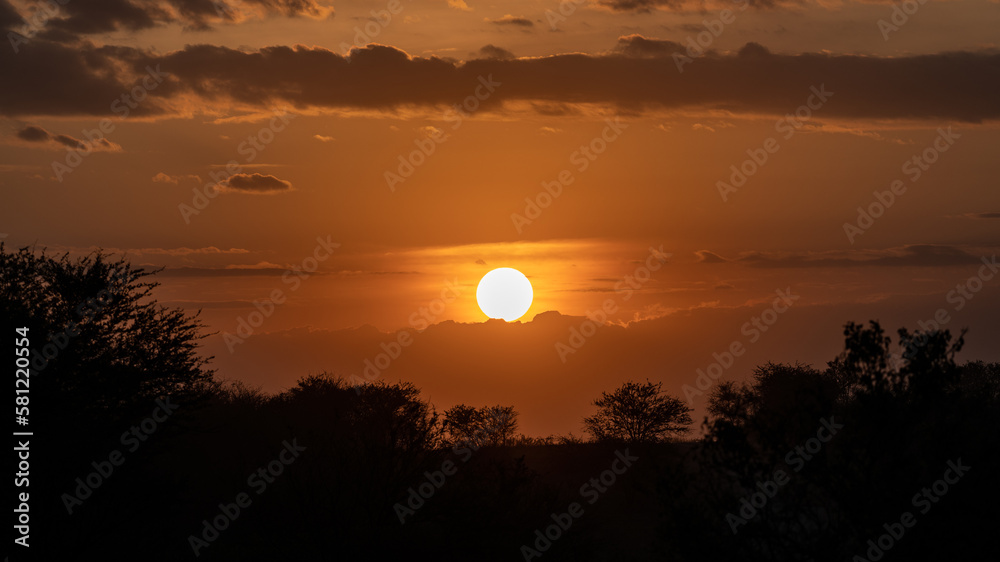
(913, 255)
(646, 6)
(640, 75)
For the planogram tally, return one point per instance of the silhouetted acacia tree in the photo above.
(925, 365)
(489, 425)
(99, 341)
(636, 413)
(461, 422)
(500, 425)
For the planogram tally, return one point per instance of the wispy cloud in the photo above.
(914, 255)
(256, 183)
(508, 19)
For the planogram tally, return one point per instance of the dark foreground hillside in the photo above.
(339, 468)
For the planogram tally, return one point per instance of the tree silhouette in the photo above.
(489, 425)
(500, 425)
(461, 422)
(638, 413)
(902, 411)
(100, 343)
(925, 367)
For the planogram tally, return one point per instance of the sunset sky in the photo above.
(399, 149)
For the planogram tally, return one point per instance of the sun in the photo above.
(504, 293)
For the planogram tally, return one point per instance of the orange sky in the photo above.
(409, 161)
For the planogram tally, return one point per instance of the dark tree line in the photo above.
(106, 351)
(907, 412)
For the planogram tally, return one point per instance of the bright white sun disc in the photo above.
(504, 293)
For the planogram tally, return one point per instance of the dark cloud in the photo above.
(207, 304)
(752, 49)
(44, 69)
(636, 45)
(257, 183)
(987, 215)
(642, 75)
(358, 272)
(639, 46)
(86, 17)
(494, 52)
(276, 271)
(646, 6)
(915, 255)
(33, 134)
(262, 270)
(705, 256)
(68, 141)
(512, 20)
(554, 109)
(293, 7)
(103, 16)
(199, 13)
(9, 17)
(104, 144)
(642, 6)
